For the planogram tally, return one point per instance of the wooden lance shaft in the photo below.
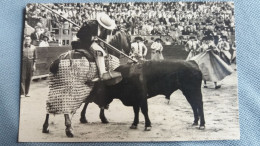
(60, 15)
(110, 46)
(115, 49)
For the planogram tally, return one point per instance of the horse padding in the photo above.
(67, 87)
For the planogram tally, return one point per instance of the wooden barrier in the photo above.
(46, 55)
(169, 52)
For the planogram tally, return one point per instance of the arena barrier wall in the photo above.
(45, 56)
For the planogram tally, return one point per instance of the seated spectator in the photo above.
(167, 42)
(44, 42)
(36, 36)
(52, 37)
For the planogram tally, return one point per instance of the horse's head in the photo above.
(122, 42)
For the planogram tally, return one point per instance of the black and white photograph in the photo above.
(128, 72)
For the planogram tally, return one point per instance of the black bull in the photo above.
(151, 78)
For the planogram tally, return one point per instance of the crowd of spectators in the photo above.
(178, 20)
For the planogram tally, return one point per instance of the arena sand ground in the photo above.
(169, 122)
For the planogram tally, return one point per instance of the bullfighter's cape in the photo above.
(68, 88)
(213, 68)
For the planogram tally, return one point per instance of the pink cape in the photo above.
(212, 66)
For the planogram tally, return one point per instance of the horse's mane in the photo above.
(121, 41)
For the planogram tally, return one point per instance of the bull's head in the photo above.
(99, 95)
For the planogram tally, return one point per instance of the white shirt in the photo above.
(44, 44)
(192, 45)
(139, 48)
(157, 46)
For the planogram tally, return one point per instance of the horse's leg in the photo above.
(83, 114)
(144, 109)
(68, 130)
(136, 119)
(102, 116)
(45, 126)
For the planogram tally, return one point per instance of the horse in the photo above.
(120, 40)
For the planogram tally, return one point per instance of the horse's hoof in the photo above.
(83, 120)
(133, 127)
(202, 128)
(148, 128)
(195, 124)
(45, 130)
(104, 121)
(69, 132)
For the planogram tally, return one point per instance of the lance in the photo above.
(115, 49)
(110, 46)
(60, 15)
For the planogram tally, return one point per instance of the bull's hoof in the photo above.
(217, 87)
(133, 127)
(104, 121)
(83, 120)
(202, 127)
(45, 130)
(148, 128)
(69, 132)
(195, 124)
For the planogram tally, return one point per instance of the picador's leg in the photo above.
(45, 126)
(68, 130)
(136, 119)
(144, 109)
(100, 61)
(83, 114)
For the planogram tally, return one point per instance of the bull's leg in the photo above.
(201, 110)
(144, 109)
(83, 114)
(136, 119)
(102, 116)
(193, 98)
(199, 105)
(45, 126)
(68, 130)
(196, 116)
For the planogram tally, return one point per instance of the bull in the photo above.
(143, 81)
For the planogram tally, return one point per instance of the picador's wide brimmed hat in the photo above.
(139, 38)
(105, 21)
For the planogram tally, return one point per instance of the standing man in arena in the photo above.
(28, 65)
(138, 49)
